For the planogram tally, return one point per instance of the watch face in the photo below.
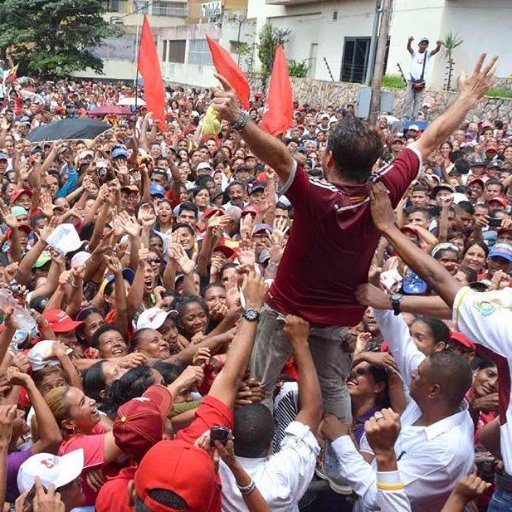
(250, 314)
(396, 297)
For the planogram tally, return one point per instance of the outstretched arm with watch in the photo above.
(370, 295)
(225, 387)
(266, 147)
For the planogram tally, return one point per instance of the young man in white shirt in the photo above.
(420, 60)
(284, 477)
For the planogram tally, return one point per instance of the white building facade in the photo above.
(334, 37)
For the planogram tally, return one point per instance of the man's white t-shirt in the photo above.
(417, 60)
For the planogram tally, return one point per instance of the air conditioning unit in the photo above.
(116, 20)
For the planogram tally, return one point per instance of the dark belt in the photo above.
(503, 481)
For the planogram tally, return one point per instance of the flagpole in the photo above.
(137, 50)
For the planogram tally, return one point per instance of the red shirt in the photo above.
(94, 457)
(113, 495)
(332, 242)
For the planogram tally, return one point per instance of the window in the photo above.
(355, 59)
(356, 53)
(199, 52)
(164, 51)
(165, 8)
(176, 51)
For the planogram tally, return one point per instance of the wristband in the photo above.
(245, 490)
(241, 122)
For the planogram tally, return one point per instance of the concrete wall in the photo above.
(339, 94)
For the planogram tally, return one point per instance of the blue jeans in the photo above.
(501, 501)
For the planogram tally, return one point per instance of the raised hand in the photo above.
(382, 430)
(255, 290)
(296, 329)
(382, 211)
(477, 84)
(225, 100)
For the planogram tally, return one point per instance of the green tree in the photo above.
(269, 39)
(54, 37)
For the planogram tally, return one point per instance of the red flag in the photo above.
(149, 68)
(226, 66)
(278, 113)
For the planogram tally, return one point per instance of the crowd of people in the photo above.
(235, 321)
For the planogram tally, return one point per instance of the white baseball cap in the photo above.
(154, 318)
(51, 469)
(203, 165)
(39, 355)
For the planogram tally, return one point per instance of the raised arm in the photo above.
(431, 271)
(49, 432)
(471, 88)
(310, 396)
(225, 386)
(266, 147)
(409, 45)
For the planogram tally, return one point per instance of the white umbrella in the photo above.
(128, 100)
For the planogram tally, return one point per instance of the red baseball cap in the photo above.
(463, 340)
(21, 227)
(249, 210)
(491, 147)
(179, 467)
(212, 211)
(17, 193)
(60, 321)
(139, 422)
(224, 249)
(503, 202)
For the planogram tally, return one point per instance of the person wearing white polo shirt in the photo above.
(484, 317)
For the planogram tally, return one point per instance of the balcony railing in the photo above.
(167, 10)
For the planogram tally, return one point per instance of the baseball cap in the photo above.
(128, 274)
(491, 147)
(477, 180)
(424, 40)
(188, 471)
(139, 422)
(212, 211)
(43, 259)
(18, 210)
(132, 188)
(154, 318)
(80, 259)
(17, 193)
(501, 200)
(51, 469)
(3, 156)
(60, 321)
(39, 355)
(119, 152)
(84, 154)
(156, 190)
(463, 340)
(414, 128)
(477, 161)
(495, 164)
(224, 249)
(262, 227)
(256, 186)
(443, 186)
(501, 250)
(249, 210)
(203, 165)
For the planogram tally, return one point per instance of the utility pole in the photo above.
(387, 7)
